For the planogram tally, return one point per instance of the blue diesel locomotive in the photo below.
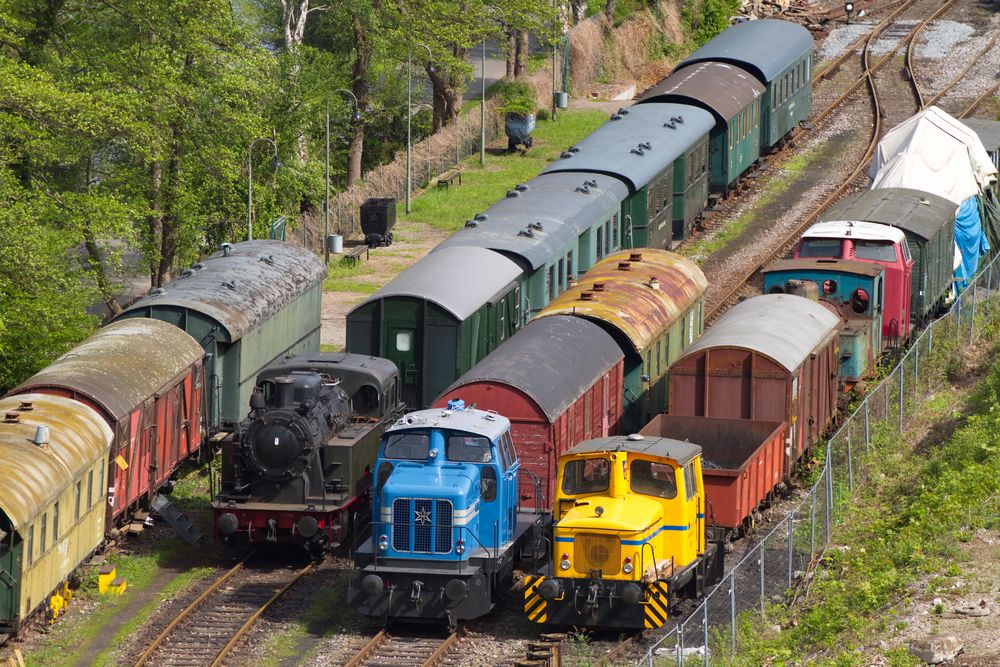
(446, 523)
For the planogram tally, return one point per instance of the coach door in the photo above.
(10, 569)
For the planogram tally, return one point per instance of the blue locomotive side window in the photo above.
(653, 479)
(469, 448)
(488, 484)
(507, 451)
(586, 476)
(411, 446)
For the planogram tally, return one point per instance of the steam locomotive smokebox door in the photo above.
(378, 216)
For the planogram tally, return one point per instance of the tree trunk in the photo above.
(521, 68)
(45, 15)
(94, 259)
(511, 52)
(169, 219)
(447, 97)
(155, 219)
(293, 22)
(578, 10)
(609, 12)
(359, 86)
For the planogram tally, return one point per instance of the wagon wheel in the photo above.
(511, 144)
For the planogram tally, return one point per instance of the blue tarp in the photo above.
(970, 239)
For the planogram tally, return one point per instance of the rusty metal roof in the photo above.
(638, 143)
(120, 366)
(543, 361)
(459, 279)
(717, 87)
(624, 299)
(33, 476)
(783, 327)
(242, 289)
(820, 264)
(537, 220)
(915, 211)
(666, 448)
(740, 45)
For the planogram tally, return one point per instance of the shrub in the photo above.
(516, 97)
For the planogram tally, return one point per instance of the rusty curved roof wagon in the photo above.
(247, 305)
(554, 396)
(53, 458)
(652, 304)
(146, 379)
(772, 358)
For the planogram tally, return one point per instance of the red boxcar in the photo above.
(770, 358)
(742, 461)
(554, 395)
(146, 378)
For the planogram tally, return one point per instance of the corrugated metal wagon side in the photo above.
(53, 456)
(554, 396)
(248, 305)
(771, 358)
(146, 378)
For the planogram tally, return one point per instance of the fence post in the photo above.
(989, 284)
(930, 338)
(902, 362)
(829, 496)
(867, 432)
(704, 605)
(972, 318)
(791, 553)
(732, 609)
(762, 577)
(812, 525)
(916, 373)
(850, 462)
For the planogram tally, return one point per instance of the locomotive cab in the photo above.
(445, 522)
(629, 538)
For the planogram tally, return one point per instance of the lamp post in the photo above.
(482, 101)
(276, 163)
(409, 107)
(355, 118)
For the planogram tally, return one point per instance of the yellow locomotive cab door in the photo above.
(692, 506)
(10, 571)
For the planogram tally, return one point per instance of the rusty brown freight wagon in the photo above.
(742, 462)
(554, 395)
(771, 358)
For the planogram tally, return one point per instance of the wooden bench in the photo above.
(354, 254)
(449, 176)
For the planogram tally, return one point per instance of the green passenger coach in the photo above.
(733, 97)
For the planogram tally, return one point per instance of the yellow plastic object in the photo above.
(105, 578)
(118, 586)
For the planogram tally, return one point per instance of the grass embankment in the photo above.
(902, 539)
(447, 209)
(157, 566)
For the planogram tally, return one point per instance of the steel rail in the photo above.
(187, 611)
(961, 75)
(257, 614)
(367, 649)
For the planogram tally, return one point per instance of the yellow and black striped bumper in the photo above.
(596, 603)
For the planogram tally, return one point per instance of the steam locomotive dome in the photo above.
(292, 416)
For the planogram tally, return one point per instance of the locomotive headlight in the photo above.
(627, 566)
(460, 547)
(564, 564)
(383, 543)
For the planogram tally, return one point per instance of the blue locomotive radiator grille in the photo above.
(442, 541)
(422, 523)
(401, 524)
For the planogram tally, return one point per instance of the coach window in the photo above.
(45, 529)
(562, 273)
(90, 489)
(55, 524)
(569, 266)
(600, 243)
(79, 489)
(586, 476)
(100, 486)
(31, 544)
(614, 226)
(552, 282)
(404, 341)
(608, 239)
(653, 479)
(411, 446)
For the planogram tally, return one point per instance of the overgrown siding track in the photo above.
(392, 650)
(206, 630)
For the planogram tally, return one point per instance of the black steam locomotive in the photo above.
(299, 467)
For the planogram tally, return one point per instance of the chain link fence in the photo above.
(770, 572)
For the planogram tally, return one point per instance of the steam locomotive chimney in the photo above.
(286, 391)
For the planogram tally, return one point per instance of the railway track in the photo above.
(390, 650)
(869, 69)
(207, 630)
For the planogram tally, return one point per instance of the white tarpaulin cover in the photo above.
(933, 152)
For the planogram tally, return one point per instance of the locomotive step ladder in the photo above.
(180, 522)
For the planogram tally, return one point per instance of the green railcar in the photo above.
(248, 305)
(660, 152)
(438, 318)
(733, 97)
(784, 67)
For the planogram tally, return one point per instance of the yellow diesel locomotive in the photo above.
(628, 535)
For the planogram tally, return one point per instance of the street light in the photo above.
(409, 107)
(276, 163)
(848, 9)
(482, 100)
(355, 118)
